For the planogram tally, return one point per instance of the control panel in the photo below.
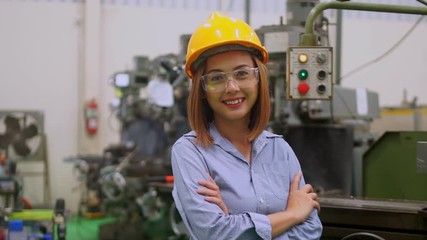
(309, 73)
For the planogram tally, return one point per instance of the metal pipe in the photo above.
(338, 47)
(309, 39)
(248, 11)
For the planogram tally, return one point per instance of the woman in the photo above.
(233, 179)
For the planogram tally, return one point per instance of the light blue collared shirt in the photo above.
(251, 192)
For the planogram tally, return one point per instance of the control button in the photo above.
(321, 75)
(303, 74)
(302, 58)
(321, 58)
(303, 88)
(321, 89)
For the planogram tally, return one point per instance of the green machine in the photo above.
(394, 202)
(395, 167)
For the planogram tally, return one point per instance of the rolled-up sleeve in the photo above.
(205, 220)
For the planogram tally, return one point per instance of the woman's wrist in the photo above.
(282, 221)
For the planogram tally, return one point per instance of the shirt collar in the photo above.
(218, 138)
(257, 145)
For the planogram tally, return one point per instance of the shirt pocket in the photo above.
(278, 179)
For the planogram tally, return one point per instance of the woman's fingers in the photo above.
(208, 192)
(313, 196)
(215, 200)
(307, 188)
(218, 202)
(317, 206)
(208, 184)
(302, 200)
(212, 193)
(295, 181)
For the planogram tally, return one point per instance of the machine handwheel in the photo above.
(362, 236)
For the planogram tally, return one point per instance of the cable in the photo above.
(384, 54)
(325, 22)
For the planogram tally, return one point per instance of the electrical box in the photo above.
(309, 73)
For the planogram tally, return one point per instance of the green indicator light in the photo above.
(303, 74)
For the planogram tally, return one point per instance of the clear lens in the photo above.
(217, 81)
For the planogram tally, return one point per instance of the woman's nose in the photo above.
(231, 85)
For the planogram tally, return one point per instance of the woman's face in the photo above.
(232, 103)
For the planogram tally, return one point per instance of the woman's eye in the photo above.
(217, 77)
(239, 74)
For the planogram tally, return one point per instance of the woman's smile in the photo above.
(234, 102)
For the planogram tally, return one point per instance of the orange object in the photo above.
(27, 204)
(2, 159)
(169, 179)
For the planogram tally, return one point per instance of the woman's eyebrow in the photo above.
(234, 69)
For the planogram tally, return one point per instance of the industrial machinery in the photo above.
(369, 186)
(320, 120)
(132, 180)
(327, 125)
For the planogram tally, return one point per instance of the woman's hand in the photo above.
(301, 201)
(212, 193)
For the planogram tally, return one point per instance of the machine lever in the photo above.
(362, 235)
(423, 212)
(422, 1)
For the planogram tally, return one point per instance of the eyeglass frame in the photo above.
(255, 70)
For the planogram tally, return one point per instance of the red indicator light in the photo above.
(303, 88)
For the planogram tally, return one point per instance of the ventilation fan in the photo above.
(21, 135)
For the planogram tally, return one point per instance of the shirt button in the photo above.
(261, 200)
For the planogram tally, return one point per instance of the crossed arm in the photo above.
(301, 202)
(208, 216)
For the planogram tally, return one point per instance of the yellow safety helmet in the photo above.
(218, 34)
